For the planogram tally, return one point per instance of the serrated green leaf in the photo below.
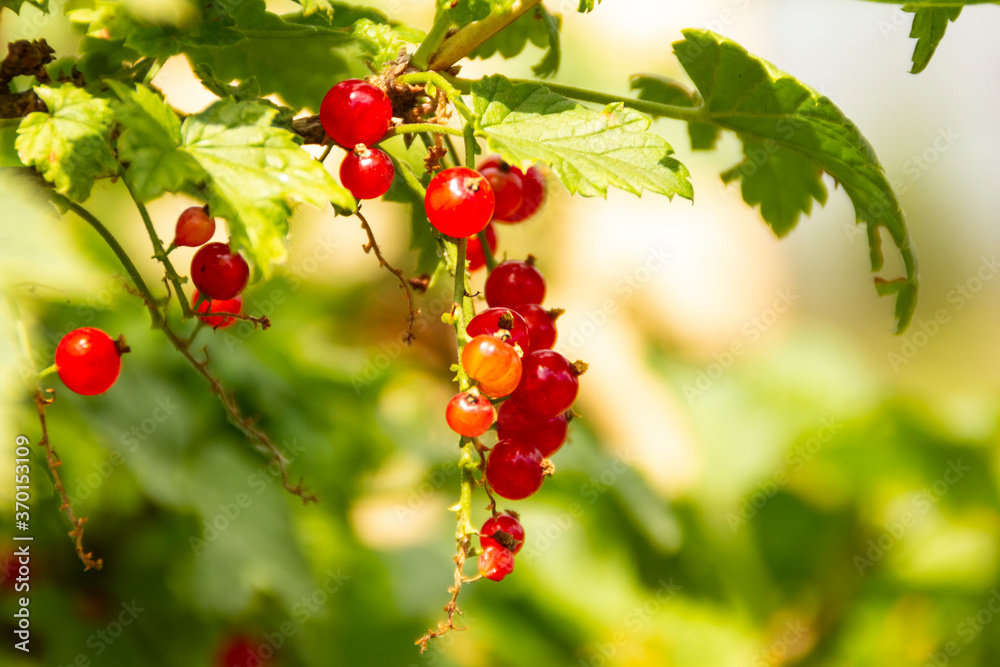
(256, 173)
(246, 90)
(538, 27)
(775, 112)
(664, 90)
(590, 151)
(114, 21)
(782, 182)
(272, 44)
(15, 5)
(149, 144)
(463, 12)
(379, 43)
(928, 29)
(68, 145)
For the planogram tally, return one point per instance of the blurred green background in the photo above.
(762, 475)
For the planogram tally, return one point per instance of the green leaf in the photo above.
(107, 19)
(538, 27)
(587, 5)
(782, 182)
(68, 145)
(463, 12)
(149, 144)
(256, 173)
(15, 5)
(787, 126)
(379, 43)
(664, 90)
(589, 150)
(310, 7)
(297, 61)
(928, 29)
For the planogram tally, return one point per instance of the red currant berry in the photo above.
(495, 562)
(459, 202)
(212, 306)
(355, 112)
(469, 414)
(474, 248)
(194, 227)
(494, 364)
(507, 189)
(514, 283)
(218, 272)
(514, 469)
(367, 172)
(88, 361)
(492, 322)
(541, 325)
(548, 435)
(532, 195)
(549, 384)
(240, 652)
(507, 523)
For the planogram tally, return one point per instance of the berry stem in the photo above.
(326, 152)
(414, 128)
(470, 37)
(372, 246)
(159, 252)
(48, 371)
(409, 178)
(491, 260)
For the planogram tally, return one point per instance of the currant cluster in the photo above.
(356, 114)
(218, 273)
(510, 357)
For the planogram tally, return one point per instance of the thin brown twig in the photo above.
(371, 246)
(451, 608)
(54, 462)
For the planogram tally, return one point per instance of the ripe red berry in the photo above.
(491, 322)
(541, 325)
(194, 227)
(218, 272)
(459, 202)
(494, 364)
(548, 435)
(507, 523)
(495, 562)
(469, 413)
(240, 651)
(367, 172)
(549, 384)
(474, 248)
(514, 469)
(88, 361)
(532, 195)
(355, 112)
(507, 189)
(514, 283)
(211, 306)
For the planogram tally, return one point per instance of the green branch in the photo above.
(470, 37)
(416, 128)
(687, 114)
(159, 253)
(422, 57)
